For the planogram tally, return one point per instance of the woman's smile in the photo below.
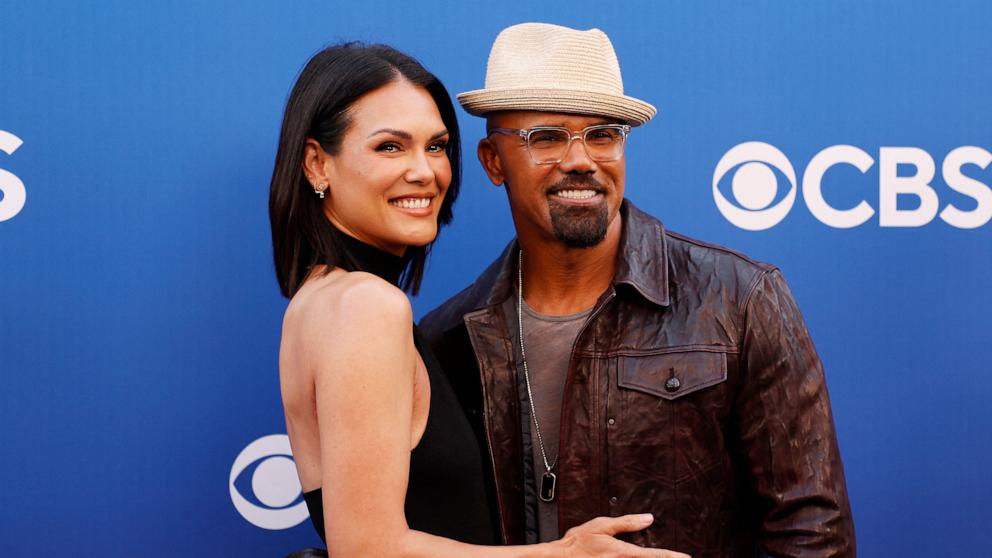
(418, 205)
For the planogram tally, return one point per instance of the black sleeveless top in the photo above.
(446, 495)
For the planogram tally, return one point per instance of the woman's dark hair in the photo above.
(332, 80)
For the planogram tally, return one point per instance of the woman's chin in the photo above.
(422, 240)
(397, 245)
(414, 239)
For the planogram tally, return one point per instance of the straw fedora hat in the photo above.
(539, 66)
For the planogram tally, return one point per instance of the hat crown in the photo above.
(550, 68)
(545, 56)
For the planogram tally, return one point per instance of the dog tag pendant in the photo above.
(548, 487)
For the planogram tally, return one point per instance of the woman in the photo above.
(366, 171)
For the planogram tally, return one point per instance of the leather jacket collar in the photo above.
(640, 263)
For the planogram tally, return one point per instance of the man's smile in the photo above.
(586, 191)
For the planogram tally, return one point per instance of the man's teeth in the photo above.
(575, 194)
(412, 203)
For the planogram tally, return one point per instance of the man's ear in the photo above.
(315, 161)
(491, 163)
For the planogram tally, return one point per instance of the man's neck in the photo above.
(559, 280)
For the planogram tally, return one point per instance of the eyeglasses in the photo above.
(548, 145)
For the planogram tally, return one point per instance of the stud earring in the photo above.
(319, 190)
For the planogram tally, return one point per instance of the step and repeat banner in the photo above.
(847, 142)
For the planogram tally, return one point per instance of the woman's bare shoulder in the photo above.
(347, 297)
(343, 312)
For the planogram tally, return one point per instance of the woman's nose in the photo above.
(420, 170)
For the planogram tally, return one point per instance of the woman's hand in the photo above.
(595, 538)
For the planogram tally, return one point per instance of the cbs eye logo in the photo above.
(754, 185)
(266, 467)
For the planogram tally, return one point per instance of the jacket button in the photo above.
(611, 421)
(673, 385)
(613, 499)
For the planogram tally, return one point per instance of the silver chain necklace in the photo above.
(547, 493)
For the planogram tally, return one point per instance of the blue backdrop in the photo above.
(140, 317)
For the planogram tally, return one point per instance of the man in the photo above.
(641, 371)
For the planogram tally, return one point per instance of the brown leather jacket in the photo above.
(694, 392)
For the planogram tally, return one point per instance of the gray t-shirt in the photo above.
(549, 341)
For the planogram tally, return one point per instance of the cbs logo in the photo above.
(755, 186)
(12, 192)
(267, 467)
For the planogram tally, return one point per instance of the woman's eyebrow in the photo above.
(400, 133)
(405, 135)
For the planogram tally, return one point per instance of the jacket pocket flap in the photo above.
(672, 375)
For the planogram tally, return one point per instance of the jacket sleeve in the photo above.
(786, 430)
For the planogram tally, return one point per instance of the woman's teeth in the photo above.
(412, 203)
(575, 194)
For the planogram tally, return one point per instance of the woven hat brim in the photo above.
(483, 101)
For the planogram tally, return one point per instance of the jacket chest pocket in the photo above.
(672, 375)
(673, 409)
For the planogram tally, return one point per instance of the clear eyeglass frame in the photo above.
(582, 135)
